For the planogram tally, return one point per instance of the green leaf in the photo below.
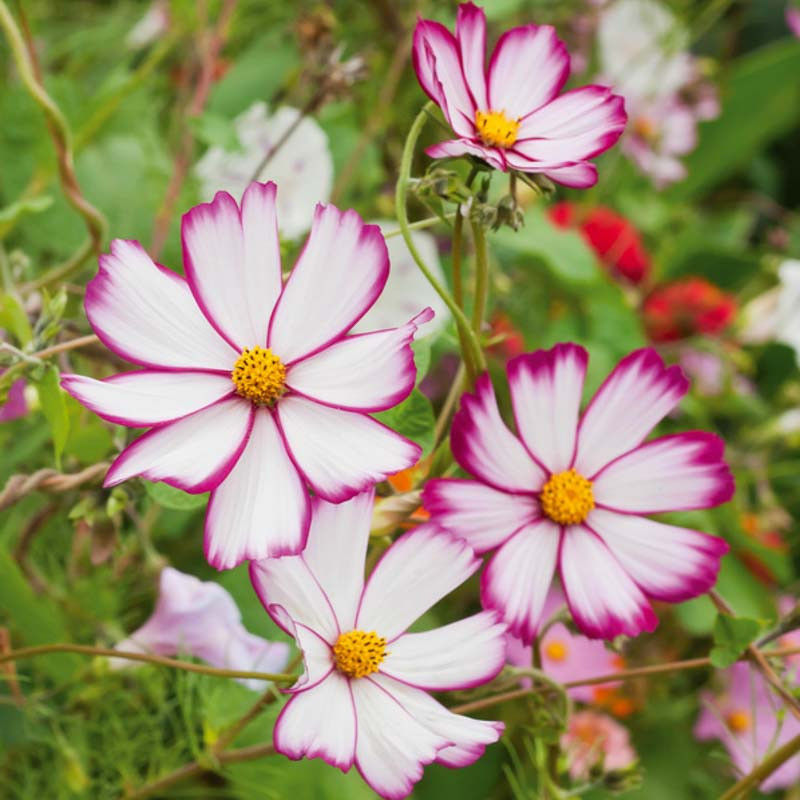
(732, 635)
(54, 408)
(422, 357)
(414, 419)
(170, 497)
(760, 102)
(563, 252)
(13, 318)
(215, 130)
(30, 205)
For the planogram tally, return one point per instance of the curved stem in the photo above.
(421, 224)
(764, 769)
(43, 649)
(472, 353)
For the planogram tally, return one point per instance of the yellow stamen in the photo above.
(738, 721)
(646, 128)
(567, 498)
(556, 650)
(496, 129)
(259, 375)
(359, 653)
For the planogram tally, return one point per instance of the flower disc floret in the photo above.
(567, 498)
(556, 650)
(496, 129)
(359, 653)
(259, 375)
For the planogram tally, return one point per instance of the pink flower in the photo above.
(571, 494)
(16, 405)
(744, 717)
(793, 19)
(566, 656)
(201, 619)
(251, 386)
(511, 115)
(592, 739)
(364, 673)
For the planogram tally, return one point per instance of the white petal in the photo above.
(461, 655)
(262, 508)
(485, 447)
(516, 581)
(233, 263)
(602, 598)
(668, 563)
(546, 388)
(366, 372)
(674, 473)
(419, 569)
(148, 397)
(338, 276)
(147, 314)
(633, 399)
(341, 452)
(392, 746)
(336, 550)
(319, 723)
(194, 453)
(485, 517)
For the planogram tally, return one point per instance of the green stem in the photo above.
(763, 770)
(481, 278)
(421, 224)
(471, 353)
(43, 649)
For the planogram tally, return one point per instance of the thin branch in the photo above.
(62, 347)
(48, 480)
(770, 764)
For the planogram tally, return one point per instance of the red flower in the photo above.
(687, 307)
(612, 237)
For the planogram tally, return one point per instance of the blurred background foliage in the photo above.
(80, 566)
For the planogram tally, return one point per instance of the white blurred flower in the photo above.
(302, 167)
(407, 287)
(150, 27)
(775, 314)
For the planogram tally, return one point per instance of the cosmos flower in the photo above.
(16, 404)
(612, 237)
(199, 618)
(363, 698)
(595, 739)
(687, 307)
(251, 386)
(512, 114)
(302, 166)
(745, 718)
(793, 19)
(571, 494)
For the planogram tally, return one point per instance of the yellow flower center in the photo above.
(556, 650)
(738, 721)
(646, 128)
(259, 375)
(567, 498)
(496, 129)
(359, 653)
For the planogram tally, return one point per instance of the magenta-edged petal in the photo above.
(674, 473)
(233, 262)
(668, 563)
(418, 570)
(341, 453)
(336, 549)
(194, 453)
(148, 397)
(528, 67)
(292, 596)
(471, 39)
(15, 405)
(318, 661)
(392, 746)
(516, 581)
(437, 63)
(469, 736)
(483, 516)
(338, 276)
(365, 372)
(602, 598)
(455, 148)
(319, 723)
(485, 447)
(633, 399)
(573, 127)
(576, 176)
(262, 508)
(546, 389)
(460, 655)
(147, 314)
